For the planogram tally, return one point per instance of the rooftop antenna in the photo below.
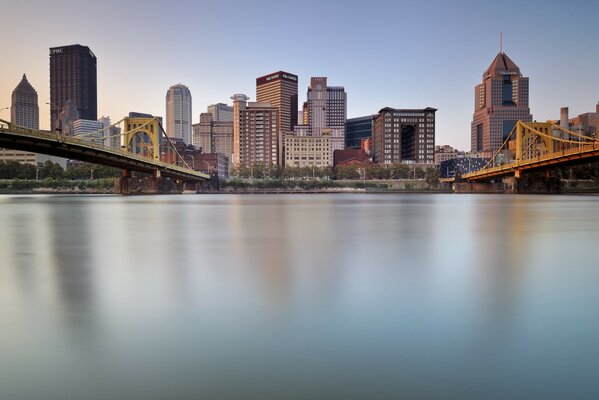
(501, 42)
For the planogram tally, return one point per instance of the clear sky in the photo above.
(386, 53)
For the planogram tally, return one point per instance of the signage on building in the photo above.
(508, 73)
(276, 76)
(56, 51)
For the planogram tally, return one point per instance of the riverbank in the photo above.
(268, 186)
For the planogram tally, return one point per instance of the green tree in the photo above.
(50, 170)
(432, 176)
(347, 172)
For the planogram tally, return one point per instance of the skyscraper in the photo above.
(327, 109)
(24, 110)
(73, 76)
(280, 90)
(499, 101)
(178, 113)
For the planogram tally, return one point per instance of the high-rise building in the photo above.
(280, 90)
(327, 109)
(255, 131)
(73, 76)
(357, 129)
(24, 111)
(499, 101)
(213, 136)
(404, 136)
(221, 112)
(178, 113)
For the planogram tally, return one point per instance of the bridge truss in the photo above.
(535, 146)
(139, 151)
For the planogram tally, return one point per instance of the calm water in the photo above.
(299, 297)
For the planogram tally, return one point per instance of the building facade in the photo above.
(24, 110)
(111, 136)
(178, 113)
(404, 136)
(89, 130)
(255, 132)
(357, 129)
(308, 151)
(280, 90)
(221, 112)
(499, 101)
(446, 152)
(586, 124)
(73, 76)
(213, 136)
(327, 109)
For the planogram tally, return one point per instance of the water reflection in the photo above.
(301, 296)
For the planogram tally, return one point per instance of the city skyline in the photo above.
(440, 71)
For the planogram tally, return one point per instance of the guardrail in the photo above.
(9, 128)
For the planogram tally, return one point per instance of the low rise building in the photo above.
(305, 150)
(350, 157)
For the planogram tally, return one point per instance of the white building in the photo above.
(178, 113)
(111, 135)
(89, 130)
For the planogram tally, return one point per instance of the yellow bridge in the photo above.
(140, 150)
(534, 146)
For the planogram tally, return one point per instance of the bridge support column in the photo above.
(147, 185)
(532, 183)
(477, 187)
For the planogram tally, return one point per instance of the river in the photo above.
(317, 296)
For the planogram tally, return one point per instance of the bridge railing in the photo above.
(7, 127)
(495, 170)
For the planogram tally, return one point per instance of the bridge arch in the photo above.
(142, 136)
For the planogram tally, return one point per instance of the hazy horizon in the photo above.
(397, 54)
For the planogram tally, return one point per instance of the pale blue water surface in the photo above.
(340, 296)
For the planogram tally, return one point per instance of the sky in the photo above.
(386, 53)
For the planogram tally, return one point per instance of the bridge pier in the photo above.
(544, 182)
(529, 183)
(127, 184)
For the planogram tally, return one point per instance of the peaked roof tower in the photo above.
(502, 65)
